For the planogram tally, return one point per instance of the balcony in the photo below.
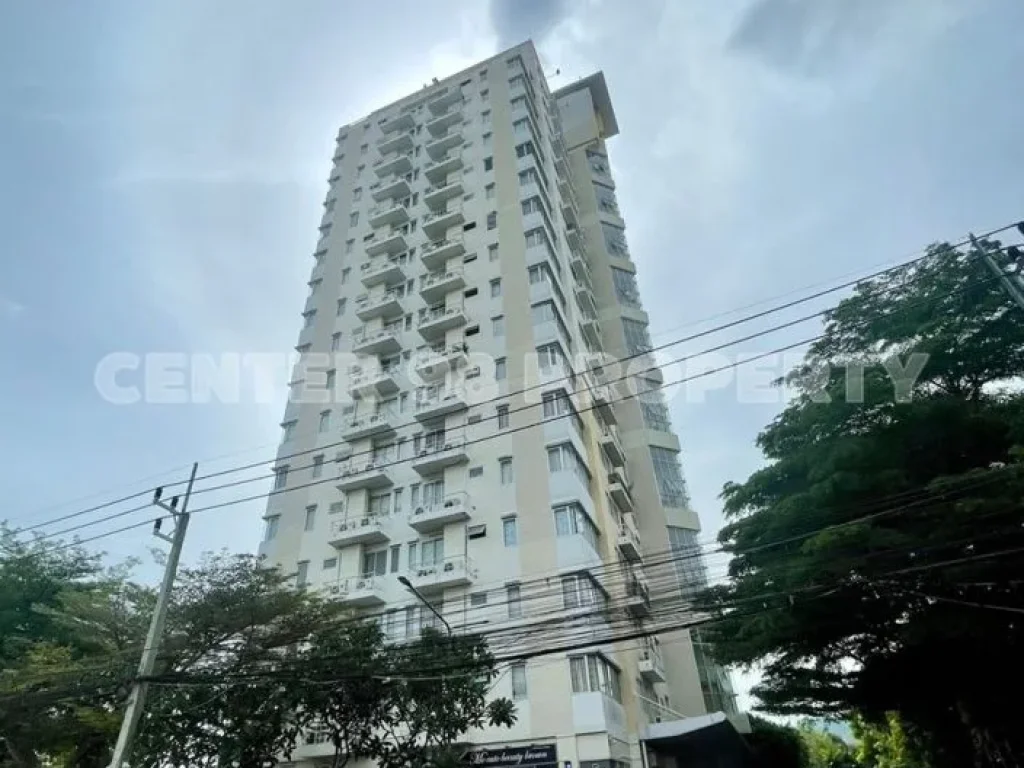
(440, 103)
(440, 124)
(395, 142)
(590, 327)
(386, 304)
(403, 122)
(457, 571)
(445, 451)
(628, 540)
(580, 268)
(437, 196)
(612, 446)
(437, 171)
(603, 403)
(435, 255)
(380, 271)
(436, 285)
(379, 381)
(651, 666)
(638, 598)
(371, 529)
(393, 186)
(429, 517)
(433, 363)
(385, 341)
(573, 237)
(380, 424)
(385, 242)
(435, 323)
(619, 492)
(357, 475)
(439, 147)
(584, 297)
(437, 223)
(397, 163)
(390, 212)
(358, 592)
(441, 404)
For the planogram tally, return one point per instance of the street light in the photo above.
(408, 585)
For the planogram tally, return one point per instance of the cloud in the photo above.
(10, 308)
(519, 20)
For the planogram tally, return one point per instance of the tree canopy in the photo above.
(887, 516)
(250, 670)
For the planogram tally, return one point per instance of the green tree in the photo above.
(886, 744)
(894, 494)
(776, 746)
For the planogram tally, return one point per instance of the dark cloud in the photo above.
(516, 20)
(809, 37)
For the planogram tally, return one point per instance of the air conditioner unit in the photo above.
(424, 451)
(419, 510)
(476, 531)
(472, 373)
(449, 503)
(449, 566)
(334, 589)
(365, 521)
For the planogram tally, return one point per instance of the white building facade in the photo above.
(451, 421)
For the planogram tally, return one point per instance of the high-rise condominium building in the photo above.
(472, 265)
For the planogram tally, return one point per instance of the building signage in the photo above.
(533, 755)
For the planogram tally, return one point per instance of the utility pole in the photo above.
(1012, 282)
(137, 698)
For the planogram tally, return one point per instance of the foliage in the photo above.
(886, 744)
(775, 745)
(882, 514)
(249, 668)
(825, 750)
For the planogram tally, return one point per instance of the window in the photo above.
(498, 326)
(656, 416)
(489, 191)
(308, 318)
(336, 508)
(378, 505)
(536, 237)
(318, 465)
(488, 163)
(485, 116)
(330, 380)
(527, 177)
(525, 149)
(689, 565)
(318, 257)
(517, 102)
(518, 681)
(478, 599)
(572, 520)
(626, 290)
(502, 417)
(310, 522)
(483, 75)
(280, 478)
(496, 288)
(510, 530)
(325, 422)
(375, 563)
(594, 673)
(500, 369)
(487, 138)
(287, 431)
(330, 564)
(335, 342)
(492, 220)
(270, 532)
(520, 126)
(485, 95)
(671, 485)
(314, 286)
(349, 247)
(345, 275)
(357, 194)
(505, 467)
(476, 472)
(359, 170)
(396, 554)
(492, 252)
(340, 309)
(533, 205)
(514, 600)
(638, 338)
(431, 552)
(579, 590)
(563, 458)
(353, 219)
(363, 149)
(302, 573)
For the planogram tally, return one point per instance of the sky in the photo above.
(163, 165)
